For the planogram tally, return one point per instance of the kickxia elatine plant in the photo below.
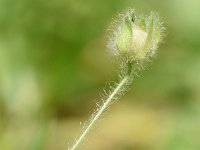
(134, 42)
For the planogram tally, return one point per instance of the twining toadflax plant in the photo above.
(133, 41)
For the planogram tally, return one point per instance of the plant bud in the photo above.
(137, 38)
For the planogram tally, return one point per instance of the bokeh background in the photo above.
(54, 65)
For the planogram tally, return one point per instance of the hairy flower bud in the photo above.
(136, 37)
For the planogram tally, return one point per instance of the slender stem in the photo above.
(99, 113)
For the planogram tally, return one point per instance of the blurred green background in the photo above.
(54, 65)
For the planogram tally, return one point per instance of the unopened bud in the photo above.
(136, 37)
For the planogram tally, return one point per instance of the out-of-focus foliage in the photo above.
(53, 63)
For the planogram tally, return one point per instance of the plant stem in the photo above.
(122, 83)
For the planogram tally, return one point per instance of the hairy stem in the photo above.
(118, 88)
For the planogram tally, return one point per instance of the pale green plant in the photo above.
(133, 41)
